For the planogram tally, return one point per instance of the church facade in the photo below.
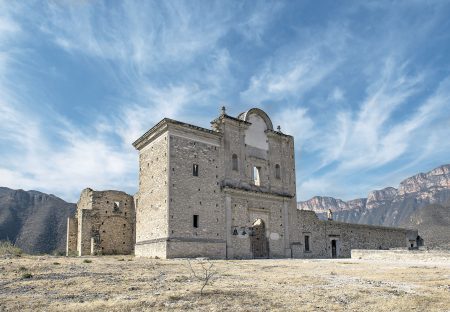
(229, 192)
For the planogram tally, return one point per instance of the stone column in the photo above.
(287, 247)
(229, 254)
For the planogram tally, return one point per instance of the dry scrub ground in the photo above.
(117, 283)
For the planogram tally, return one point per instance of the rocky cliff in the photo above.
(34, 221)
(389, 206)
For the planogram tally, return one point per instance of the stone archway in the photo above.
(259, 242)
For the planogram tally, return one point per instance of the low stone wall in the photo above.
(405, 254)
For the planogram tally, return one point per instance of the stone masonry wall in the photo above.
(348, 236)
(191, 195)
(246, 209)
(106, 223)
(72, 234)
(152, 199)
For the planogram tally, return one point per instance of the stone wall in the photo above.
(402, 255)
(72, 233)
(348, 236)
(152, 198)
(198, 195)
(105, 222)
(245, 208)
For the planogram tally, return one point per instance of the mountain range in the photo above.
(421, 201)
(34, 221)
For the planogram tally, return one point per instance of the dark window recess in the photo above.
(306, 243)
(277, 171)
(195, 221)
(234, 161)
(195, 170)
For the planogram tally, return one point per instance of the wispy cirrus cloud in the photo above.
(132, 44)
(358, 86)
(297, 68)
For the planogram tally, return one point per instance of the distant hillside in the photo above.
(394, 206)
(35, 221)
(433, 223)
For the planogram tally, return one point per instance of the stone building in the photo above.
(228, 192)
(104, 224)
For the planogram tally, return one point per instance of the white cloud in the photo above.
(295, 121)
(298, 68)
(336, 95)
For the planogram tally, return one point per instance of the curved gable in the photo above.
(256, 111)
(256, 135)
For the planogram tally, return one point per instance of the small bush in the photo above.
(8, 248)
(27, 275)
(121, 259)
(87, 261)
(203, 270)
(56, 263)
(72, 254)
(22, 268)
(59, 253)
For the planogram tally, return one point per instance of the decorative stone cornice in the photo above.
(162, 126)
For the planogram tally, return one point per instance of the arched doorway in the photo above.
(259, 242)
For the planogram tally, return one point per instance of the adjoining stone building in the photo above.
(228, 192)
(104, 224)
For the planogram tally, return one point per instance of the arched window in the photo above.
(234, 161)
(277, 171)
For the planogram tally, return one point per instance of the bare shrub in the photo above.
(9, 249)
(202, 270)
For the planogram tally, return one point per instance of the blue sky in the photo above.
(364, 86)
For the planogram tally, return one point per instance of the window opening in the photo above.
(195, 221)
(277, 171)
(306, 242)
(234, 161)
(195, 170)
(256, 175)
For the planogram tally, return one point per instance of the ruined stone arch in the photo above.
(259, 241)
(256, 111)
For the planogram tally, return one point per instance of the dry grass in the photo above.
(110, 284)
(9, 249)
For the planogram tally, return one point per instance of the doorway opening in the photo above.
(333, 248)
(259, 242)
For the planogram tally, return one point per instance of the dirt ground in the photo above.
(125, 283)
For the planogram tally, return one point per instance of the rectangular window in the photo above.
(195, 221)
(306, 242)
(256, 176)
(195, 170)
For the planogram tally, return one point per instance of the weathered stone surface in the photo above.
(223, 193)
(104, 224)
(209, 193)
